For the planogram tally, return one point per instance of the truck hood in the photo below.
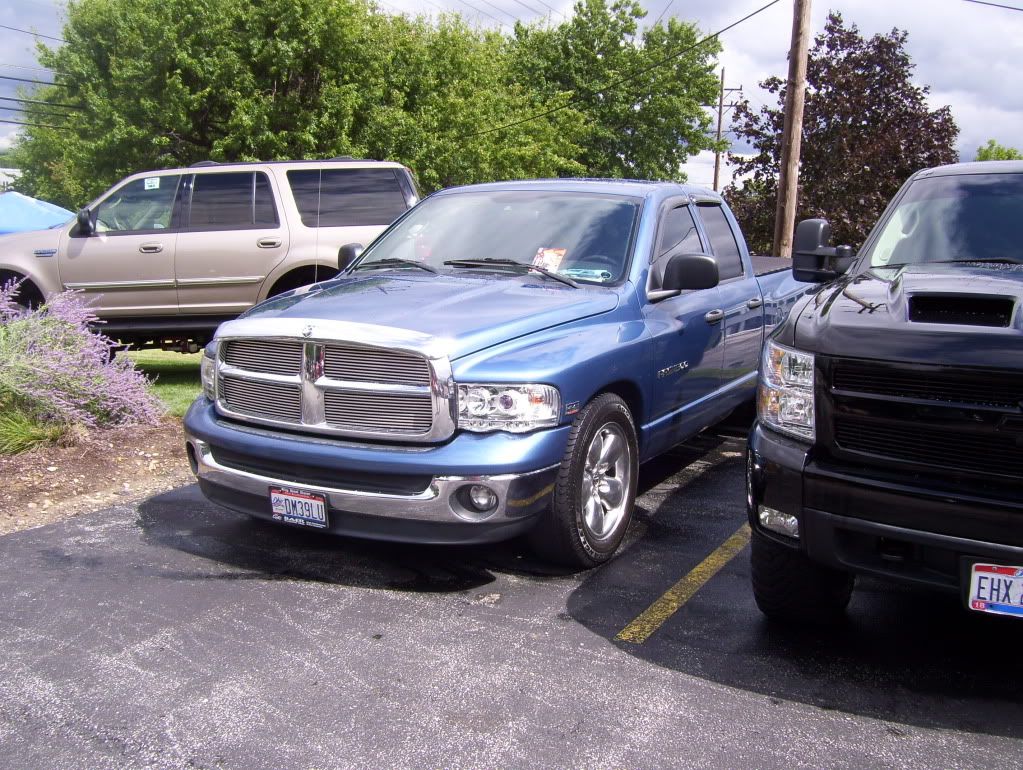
(903, 313)
(457, 314)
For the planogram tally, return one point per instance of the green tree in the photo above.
(641, 101)
(866, 129)
(994, 151)
(161, 83)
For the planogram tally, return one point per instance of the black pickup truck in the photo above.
(889, 433)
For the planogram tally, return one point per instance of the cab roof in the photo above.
(637, 188)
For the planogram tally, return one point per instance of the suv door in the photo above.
(126, 267)
(687, 347)
(743, 323)
(232, 237)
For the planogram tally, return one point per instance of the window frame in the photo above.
(186, 213)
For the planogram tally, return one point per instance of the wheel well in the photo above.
(630, 393)
(28, 293)
(301, 276)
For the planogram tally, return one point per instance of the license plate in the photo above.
(996, 588)
(293, 506)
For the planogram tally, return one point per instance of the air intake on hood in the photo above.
(963, 309)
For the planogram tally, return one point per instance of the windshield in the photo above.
(971, 217)
(583, 237)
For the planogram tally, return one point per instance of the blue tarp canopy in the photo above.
(19, 213)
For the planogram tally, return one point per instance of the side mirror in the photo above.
(86, 225)
(813, 258)
(690, 271)
(347, 254)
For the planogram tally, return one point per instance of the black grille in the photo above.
(930, 383)
(936, 447)
(299, 474)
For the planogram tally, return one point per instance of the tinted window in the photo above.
(346, 197)
(967, 217)
(145, 204)
(722, 241)
(233, 200)
(678, 229)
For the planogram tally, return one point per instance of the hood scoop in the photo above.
(961, 309)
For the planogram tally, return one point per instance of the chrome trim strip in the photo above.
(519, 494)
(226, 370)
(168, 284)
(229, 281)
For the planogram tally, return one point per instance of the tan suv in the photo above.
(165, 256)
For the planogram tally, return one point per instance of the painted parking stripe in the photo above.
(654, 616)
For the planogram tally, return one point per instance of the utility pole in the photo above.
(788, 179)
(721, 116)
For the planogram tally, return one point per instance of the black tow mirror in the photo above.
(347, 254)
(86, 225)
(814, 259)
(685, 272)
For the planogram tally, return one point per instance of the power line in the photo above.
(499, 10)
(23, 67)
(34, 34)
(555, 9)
(29, 80)
(994, 5)
(661, 15)
(34, 125)
(620, 81)
(531, 10)
(480, 10)
(40, 102)
(36, 114)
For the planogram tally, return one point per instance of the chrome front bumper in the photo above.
(519, 495)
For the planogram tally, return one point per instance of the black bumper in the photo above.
(892, 528)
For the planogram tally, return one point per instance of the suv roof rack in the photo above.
(204, 163)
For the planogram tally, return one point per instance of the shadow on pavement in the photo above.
(255, 549)
(906, 655)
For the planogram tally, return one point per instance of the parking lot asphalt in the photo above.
(177, 634)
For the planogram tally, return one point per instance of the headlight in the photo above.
(208, 371)
(514, 408)
(785, 396)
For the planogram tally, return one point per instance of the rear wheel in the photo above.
(788, 586)
(595, 489)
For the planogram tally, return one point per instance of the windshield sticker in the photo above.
(587, 274)
(549, 259)
(152, 183)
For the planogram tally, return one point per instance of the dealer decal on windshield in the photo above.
(549, 259)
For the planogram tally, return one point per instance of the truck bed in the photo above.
(765, 265)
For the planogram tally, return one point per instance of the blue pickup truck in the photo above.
(499, 361)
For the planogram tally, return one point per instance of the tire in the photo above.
(595, 489)
(789, 587)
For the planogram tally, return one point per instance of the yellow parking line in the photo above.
(639, 630)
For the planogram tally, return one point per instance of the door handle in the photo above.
(754, 303)
(151, 248)
(268, 243)
(714, 316)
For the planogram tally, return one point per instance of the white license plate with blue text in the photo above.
(293, 506)
(996, 588)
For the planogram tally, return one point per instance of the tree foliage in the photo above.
(995, 151)
(164, 83)
(866, 129)
(650, 121)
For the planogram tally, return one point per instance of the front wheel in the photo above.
(789, 587)
(595, 489)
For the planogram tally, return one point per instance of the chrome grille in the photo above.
(356, 364)
(274, 400)
(267, 356)
(338, 388)
(389, 412)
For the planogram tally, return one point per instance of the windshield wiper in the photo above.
(491, 262)
(394, 262)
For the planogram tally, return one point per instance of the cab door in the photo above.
(688, 349)
(232, 237)
(126, 267)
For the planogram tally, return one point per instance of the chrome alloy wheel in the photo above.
(605, 483)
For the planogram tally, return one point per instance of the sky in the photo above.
(970, 55)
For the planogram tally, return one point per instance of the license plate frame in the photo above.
(299, 507)
(995, 589)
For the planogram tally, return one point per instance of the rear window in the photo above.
(347, 197)
(722, 241)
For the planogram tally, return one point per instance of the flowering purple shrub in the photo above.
(58, 372)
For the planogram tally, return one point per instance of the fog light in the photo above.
(482, 498)
(776, 521)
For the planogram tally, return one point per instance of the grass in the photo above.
(175, 375)
(19, 432)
